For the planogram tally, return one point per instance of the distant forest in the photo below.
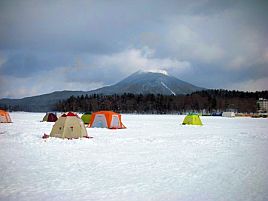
(207, 101)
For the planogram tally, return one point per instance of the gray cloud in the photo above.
(90, 43)
(112, 68)
(25, 63)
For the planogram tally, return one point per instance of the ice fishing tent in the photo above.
(69, 126)
(4, 117)
(106, 119)
(228, 114)
(192, 119)
(86, 117)
(50, 117)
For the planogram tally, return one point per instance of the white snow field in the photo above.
(154, 159)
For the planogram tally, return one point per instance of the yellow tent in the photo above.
(69, 126)
(192, 119)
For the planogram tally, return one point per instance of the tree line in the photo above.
(206, 101)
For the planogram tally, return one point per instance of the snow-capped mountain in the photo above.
(143, 82)
(140, 82)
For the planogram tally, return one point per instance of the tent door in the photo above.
(2, 119)
(115, 122)
(99, 121)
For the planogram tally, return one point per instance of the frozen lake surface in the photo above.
(154, 159)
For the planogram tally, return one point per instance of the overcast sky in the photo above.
(82, 45)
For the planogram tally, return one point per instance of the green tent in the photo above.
(192, 119)
(86, 118)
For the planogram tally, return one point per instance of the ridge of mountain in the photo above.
(139, 82)
(149, 83)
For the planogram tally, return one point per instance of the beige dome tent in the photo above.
(69, 126)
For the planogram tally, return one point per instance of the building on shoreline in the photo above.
(262, 105)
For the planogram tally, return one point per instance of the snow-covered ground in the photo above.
(154, 159)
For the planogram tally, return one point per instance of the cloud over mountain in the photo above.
(87, 44)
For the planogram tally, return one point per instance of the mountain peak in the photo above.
(150, 82)
(160, 71)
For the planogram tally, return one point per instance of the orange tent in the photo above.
(106, 119)
(4, 117)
